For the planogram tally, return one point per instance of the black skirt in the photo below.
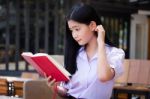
(70, 97)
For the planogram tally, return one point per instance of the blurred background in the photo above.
(39, 26)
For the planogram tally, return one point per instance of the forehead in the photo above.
(73, 24)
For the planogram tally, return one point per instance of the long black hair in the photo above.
(84, 14)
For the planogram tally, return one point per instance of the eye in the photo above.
(77, 29)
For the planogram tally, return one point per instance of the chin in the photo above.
(81, 44)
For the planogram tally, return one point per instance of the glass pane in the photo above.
(22, 65)
(31, 68)
(120, 33)
(139, 43)
(2, 66)
(125, 35)
(12, 66)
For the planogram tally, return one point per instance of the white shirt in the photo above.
(85, 83)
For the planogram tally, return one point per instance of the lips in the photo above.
(78, 40)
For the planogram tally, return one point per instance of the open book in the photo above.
(44, 63)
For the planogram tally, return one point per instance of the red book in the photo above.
(44, 63)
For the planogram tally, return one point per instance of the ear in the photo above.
(92, 25)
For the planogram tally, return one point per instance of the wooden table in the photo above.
(15, 85)
(139, 90)
(11, 79)
(8, 97)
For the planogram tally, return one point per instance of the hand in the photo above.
(52, 84)
(50, 81)
(101, 34)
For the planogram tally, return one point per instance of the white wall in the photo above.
(139, 37)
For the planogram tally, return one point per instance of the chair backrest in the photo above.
(134, 71)
(139, 71)
(37, 89)
(144, 72)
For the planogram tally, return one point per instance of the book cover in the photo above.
(44, 63)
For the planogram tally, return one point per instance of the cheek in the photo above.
(85, 32)
(87, 36)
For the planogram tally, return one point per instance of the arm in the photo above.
(105, 72)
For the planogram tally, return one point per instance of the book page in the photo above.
(27, 56)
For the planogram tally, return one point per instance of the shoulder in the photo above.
(114, 51)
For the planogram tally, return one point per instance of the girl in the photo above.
(89, 56)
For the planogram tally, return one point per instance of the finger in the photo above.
(101, 27)
(98, 28)
(45, 75)
(49, 78)
(51, 83)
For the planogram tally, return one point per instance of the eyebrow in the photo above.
(73, 27)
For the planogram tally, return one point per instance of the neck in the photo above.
(91, 47)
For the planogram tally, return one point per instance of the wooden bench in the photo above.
(3, 86)
(135, 80)
(12, 86)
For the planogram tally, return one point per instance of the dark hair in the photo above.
(81, 13)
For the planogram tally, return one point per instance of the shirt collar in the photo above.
(83, 55)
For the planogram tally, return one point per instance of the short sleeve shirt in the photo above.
(85, 84)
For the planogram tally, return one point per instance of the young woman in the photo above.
(89, 56)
